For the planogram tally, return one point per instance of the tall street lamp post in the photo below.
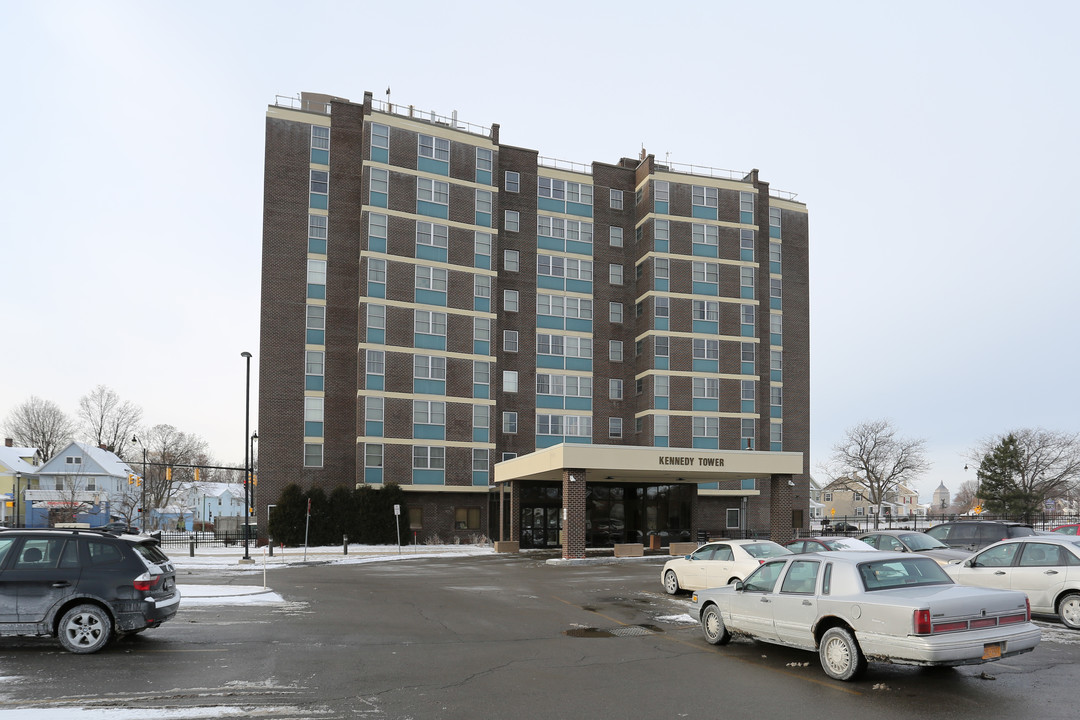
(247, 466)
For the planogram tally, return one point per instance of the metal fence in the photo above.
(175, 538)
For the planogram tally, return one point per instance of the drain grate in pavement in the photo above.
(622, 631)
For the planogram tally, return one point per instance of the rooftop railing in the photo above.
(564, 165)
(430, 116)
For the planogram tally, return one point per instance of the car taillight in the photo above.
(1027, 601)
(922, 622)
(146, 582)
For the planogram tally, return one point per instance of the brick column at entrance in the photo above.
(573, 497)
(780, 505)
(515, 510)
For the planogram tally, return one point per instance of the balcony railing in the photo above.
(430, 116)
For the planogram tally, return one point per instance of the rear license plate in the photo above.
(991, 651)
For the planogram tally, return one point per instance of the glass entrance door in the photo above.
(541, 527)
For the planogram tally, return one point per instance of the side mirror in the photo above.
(738, 586)
(969, 563)
(688, 557)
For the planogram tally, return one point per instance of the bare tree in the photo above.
(40, 424)
(872, 454)
(1044, 464)
(107, 420)
(169, 451)
(965, 496)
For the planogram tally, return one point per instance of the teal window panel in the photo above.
(663, 363)
(748, 484)
(483, 177)
(373, 476)
(480, 435)
(746, 406)
(776, 447)
(706, 405)
(774, 267)
(709, 486)
(546, 243)
(316, 246)
(707, 443)
(747, 293)
(481, 304)
(660, 441)
(316, 337)
(481, 391)
(579, 364)
(375, 382)
(578, 403)
(317, 201)
(550, 283)
(661, 403)
(322, 157)
(433, 166)
(428, 477)
(580, 248)
(549, 361)
(776, 411)
(661, 245)
(774, 232)
(430, 297)
(316, 292)
(313, 429)
(775, 339)
(703, 213)
(430, 252)
(746, 255)
(746, 218)
(580, 286)
(481, 347)
(377, 199)
(423, 207)
(578, 440)
(429, 387)
(746, 330)
(429, 432)
(776, 303)
(662, 324)
(704, 288)
(377, 244)
(707, 327)
(480, 478)
(545, 441)
(373, 429)
(376, 290)
(776, 375)
(313, 382)
(747, 368)
(379, 154)
(703, 250)
(553, 402)
(482, 261)
(707, 366)
(579, 325)
(482, 219)
(662, 284)
(551, 205)
(579, 209)
(549, 321)
(429, 342)
(660, 207)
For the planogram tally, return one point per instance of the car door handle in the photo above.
(999, 572)
(807, 603)
(61, 584)
(1050, 572)
(765, 599)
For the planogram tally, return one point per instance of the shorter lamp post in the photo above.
(18, 481)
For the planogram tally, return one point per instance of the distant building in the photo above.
(848, 497)
(941, 499)
(18, 471)
(90, 482)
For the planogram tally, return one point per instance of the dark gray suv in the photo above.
(974, 535)
(84, 587)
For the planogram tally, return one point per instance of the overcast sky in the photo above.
(932, 142)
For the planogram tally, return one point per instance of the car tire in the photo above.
(840, 654)
(712, 625)
(732, 580)
(85, 629)
(1068, 609)
(671, 582)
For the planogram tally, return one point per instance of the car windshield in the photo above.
(765, 550)
(843, 543)
(1066, 530)
(922, 541)
(886, 574)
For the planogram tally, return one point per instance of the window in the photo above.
(551, 188)
(313, 411)
(747, 390)
(574, 269)
(314, 365)
(706, 387)
(377, 225)
(320, 182)
(827, 497)
(482, 286)
(706, 272)
(317, 229)
(706, 349)
(316, 272)
(313, 455)
(481, 373)
(776, 324)
(480, 463)
(614, 427)
(429, 367)
(776, 433)
(661, 425)
(511, 220)
(511, 260)
(708, 310)
(615, 199)
(380, 180)
(746, 314)
(746, 244)
(564, 385)
(570, 425)
(510, 300)
(662, 268)
(706, 426)
(661, 386)
(429, 412)
(552, 227)
(662, 346)
(615, 312)
(559, 345)
(509, 423)
(615, 236)
(467, 518)
(484, 158)
(615, 389)
(316, 324)
(428, 457)
(512, 181)
(320, 137)
(483, 201)
(482, 243)
(433, 147)
(662, 307)
(776, 288)
(615, 350)
(774, 255)
(746, 278)
(705, 234)
(661, 230)
(376, 362)
(510, 381)
(776, 360)
(510, 340)
(435, 191)
(430, 278)
(431, 234)
(615, 274)
(376, 270)
(427, 322)
(774, 222)
(579, 193)
(776, 395)
(746, 204)
(733, 518)
(374, 409)
(704, 196)
(749, 352)
(380, 136)
(660, 191)
(482, 327)
(561, 306)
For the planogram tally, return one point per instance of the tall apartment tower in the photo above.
(434, 303)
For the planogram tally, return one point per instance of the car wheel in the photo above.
(733, 580)
(1068, 609)
(671, 582)
(85, 629)
(712, 624)
(841, 657)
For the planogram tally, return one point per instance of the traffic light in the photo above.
(138, 481)
(196, 474)
(131, 478)
(168, 474)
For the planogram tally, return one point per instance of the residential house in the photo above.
(81, 480)
(849, 497)
(18, 471)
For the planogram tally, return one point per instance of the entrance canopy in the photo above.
(633, 463)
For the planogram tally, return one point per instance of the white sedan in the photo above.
(718, 563)
(1046, 567)
(855, 606)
